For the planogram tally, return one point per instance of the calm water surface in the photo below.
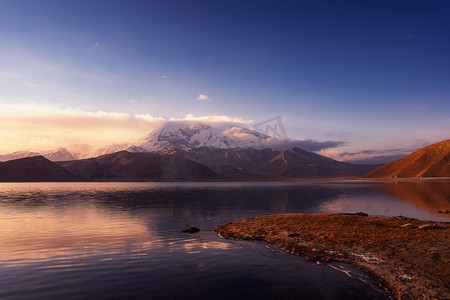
(124, 240)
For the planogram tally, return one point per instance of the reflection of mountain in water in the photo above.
(431, 195)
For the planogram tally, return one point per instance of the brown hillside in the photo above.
(36, 168)
(431, 161)
(123, 165)
(298, 163)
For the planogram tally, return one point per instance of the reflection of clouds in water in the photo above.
(49, 235)
(197, 246)
(190, 246)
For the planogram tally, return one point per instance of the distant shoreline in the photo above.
(353, 179)
(409, 261)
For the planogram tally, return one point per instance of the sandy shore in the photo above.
(410, 261)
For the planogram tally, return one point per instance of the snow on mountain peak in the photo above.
(171, 135)
(112, 148)
(194, 134)
(61, 154)
(17, 155)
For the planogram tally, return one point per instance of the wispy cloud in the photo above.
(212, 118)
(308, 144)
(377, 159)
(374, 156)
(339, 134)
(379, 152)
(68, 72)
(203, 97)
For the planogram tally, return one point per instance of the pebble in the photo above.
(407, 225)
(426, 226)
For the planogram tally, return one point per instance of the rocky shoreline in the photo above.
(409, 257)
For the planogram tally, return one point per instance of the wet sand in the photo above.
(409, 261)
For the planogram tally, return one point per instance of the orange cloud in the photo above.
(44, 127)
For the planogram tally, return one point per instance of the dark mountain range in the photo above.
(234, 163)
(36, 168)
(298, 163)
(183, 135)
(431, 161)
(123, 165)
(272, 164)
(204, 163)
(208, 163)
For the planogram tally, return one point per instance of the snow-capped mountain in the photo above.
(172, 135)
(61, 154)
(194, 134)
(111, 149)
(17, 155)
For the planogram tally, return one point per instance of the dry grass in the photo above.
(412, 263)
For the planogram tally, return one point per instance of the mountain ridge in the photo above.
(298, 163)
(183, 135)
(430, 161)
(59, 154)
(205, 163)
(33, 169)
(124, 165)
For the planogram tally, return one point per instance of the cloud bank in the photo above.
(43, 127)
(40, 128)
(370, 156)
(308, 145)
(377, 157)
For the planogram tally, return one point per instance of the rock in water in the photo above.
(191, 230)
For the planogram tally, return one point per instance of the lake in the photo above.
(125, 240)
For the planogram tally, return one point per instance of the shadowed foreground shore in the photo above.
(408, 257)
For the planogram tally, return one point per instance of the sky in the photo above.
(371, 76)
